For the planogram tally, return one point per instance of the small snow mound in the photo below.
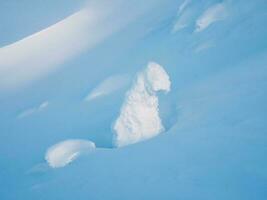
(139, 117)
(62, 153)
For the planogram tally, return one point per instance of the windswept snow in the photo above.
(65, 152)
(38, 54)
(204, 46)
(109, 85)
(184, 16)
(212, 14)
(183, 6)
(33, 110)
(139, 117)
(43, 52)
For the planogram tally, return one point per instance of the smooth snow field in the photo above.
(133, 100)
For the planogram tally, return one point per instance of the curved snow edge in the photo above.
(63, 153)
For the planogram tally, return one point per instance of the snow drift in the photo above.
(45, 51)
(66, 151)
(139, 117)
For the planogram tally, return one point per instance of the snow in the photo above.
(211, 15)
(139, 117)
(108, 86)
(192, 125)
(63, 153)
(33, 110)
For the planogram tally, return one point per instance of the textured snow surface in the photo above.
(63, 81)
(139, 117)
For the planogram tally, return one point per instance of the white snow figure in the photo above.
(139, 117)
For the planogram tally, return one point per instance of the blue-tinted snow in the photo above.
(215, 145)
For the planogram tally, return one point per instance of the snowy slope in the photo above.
(214, 141)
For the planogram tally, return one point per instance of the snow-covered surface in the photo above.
(108, 86)
(213, 146)
(31, 111)
(139, 116)
(211, 15)
(65, 152)
(41, 53)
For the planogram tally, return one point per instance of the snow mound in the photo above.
(62, 153)
(139, 117)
